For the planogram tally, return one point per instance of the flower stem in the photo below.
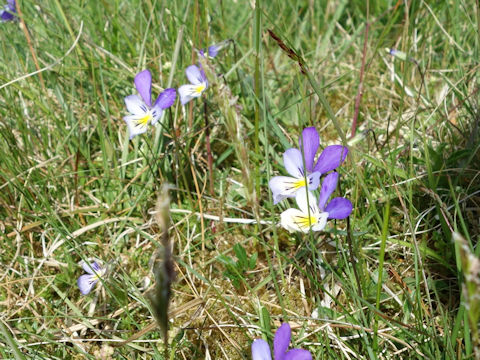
(209, 150)
(256, 44)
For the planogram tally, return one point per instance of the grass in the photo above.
(385, 284)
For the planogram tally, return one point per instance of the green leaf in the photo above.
(253, 261)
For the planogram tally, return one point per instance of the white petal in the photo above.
(135, 126)
(313, 180)
(156, 115)
(285, 186)
(321, 222)
(185, 92)
(86, 282)
(309, 204)
(296, 220)
(293, 162)
(188, 92)
(135, 105)
(195, 74)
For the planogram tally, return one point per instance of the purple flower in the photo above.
(213, 50)
(312, 216)
(261, 350)
(141, 109)
(87, 281)
(198, 84)
(287, 186)
(9, 11)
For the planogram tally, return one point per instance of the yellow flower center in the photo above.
(299, 184)
(200, 88)
(144, 120)
(305, 221)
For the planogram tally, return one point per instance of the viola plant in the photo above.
(9, 11)
(87, 281)
(281, 341)
(313, 216)
(301, 165)
(140, 107)
(198, 84)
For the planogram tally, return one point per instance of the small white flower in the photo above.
(307, 217)
(198, 84)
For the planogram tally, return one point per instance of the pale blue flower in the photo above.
(87, 281)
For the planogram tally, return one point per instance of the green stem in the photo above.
(386, 217)
(256, 44)
(326, 105)
(11, 342)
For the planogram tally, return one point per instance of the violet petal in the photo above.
(166, 98)
(329, 185)
(298, 354)
(91, 268)
(331, 158)
(339, 208)
(213, 50)
(309, 142)
(143, 83)
(261, 350)
(6, 15)
(281, 341)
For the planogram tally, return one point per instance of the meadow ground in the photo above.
(396, 280)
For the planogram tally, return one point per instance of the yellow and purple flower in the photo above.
(307, 175)
(87, 281)
(140, 107)
(281, 341)
(313, 216)
(198, 84)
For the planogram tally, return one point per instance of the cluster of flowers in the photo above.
(140, 107)
(300, 164)
(305, 178)
(142, 114)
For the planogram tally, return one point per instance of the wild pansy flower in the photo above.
(213, 50)
(87, 281)
(198, 84)
(313, 216)
(332, 156)
(261, 349)
(9, 11)
(141, 109)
